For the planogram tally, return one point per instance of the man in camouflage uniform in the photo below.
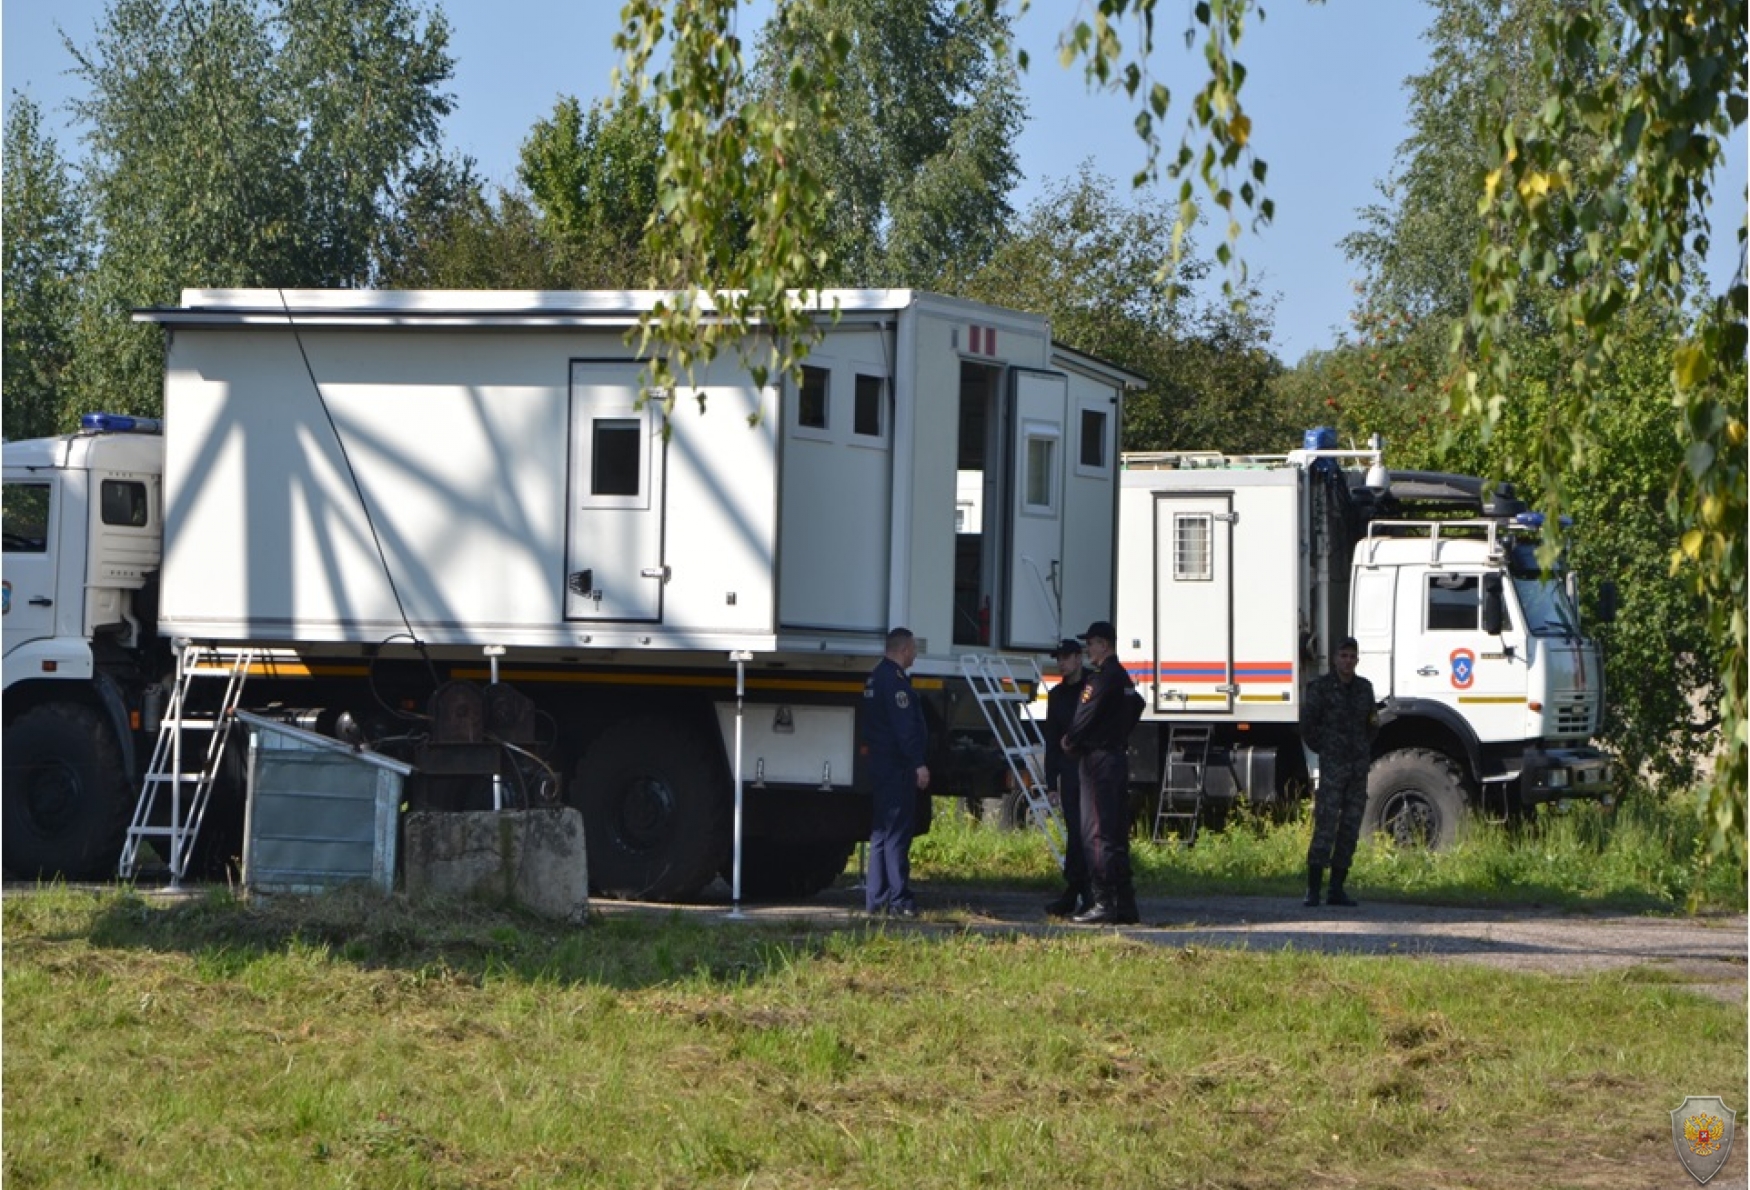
(1338, 721)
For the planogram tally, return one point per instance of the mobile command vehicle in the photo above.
(452, 527)
(1237, 578)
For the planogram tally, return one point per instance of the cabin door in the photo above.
(614, 569)
(1036, 503)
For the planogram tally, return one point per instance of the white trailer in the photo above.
(472, 535)
(1238, 576)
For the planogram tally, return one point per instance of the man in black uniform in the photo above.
(896, 740)
(1065, 777)
(1100, 736)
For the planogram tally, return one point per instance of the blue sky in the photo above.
(1325, 93)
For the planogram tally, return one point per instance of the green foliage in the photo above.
(242, 142)
(1597, 200)
(45, 261)
(593, 179)
(921, 157)
(736, 236)
(1214, 162)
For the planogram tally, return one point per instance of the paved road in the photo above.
(1710, 953)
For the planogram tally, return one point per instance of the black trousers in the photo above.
(1105, 777)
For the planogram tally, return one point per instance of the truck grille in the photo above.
(1574, 717)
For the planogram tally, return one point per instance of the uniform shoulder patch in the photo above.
(901, 699)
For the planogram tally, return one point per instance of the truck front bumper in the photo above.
(1557, 774)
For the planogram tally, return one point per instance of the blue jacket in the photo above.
(893, 720)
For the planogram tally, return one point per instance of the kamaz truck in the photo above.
(1238, 576)
(457, 528)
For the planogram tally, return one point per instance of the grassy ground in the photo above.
(1641, 856)
(352, 1042)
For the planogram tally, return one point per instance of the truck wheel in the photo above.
(67, 801)
(774, 871)
(1417, 797)
(655, 805)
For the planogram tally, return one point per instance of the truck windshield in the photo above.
(1548, 610)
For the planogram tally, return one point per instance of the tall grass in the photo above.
(1641, 855)
(349, 1041)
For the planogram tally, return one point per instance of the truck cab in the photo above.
(1478, 657)
(83, 516)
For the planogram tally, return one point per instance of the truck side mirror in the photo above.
(1493, 613)
(1607, 602)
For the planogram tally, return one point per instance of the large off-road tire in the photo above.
(656, 810)
(1417, 797)
(775, 871)
(67, 800)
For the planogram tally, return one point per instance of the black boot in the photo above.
(1315, 876)
(1068, 904)
(1124, 909)
(1103, 912)
(1338, 897)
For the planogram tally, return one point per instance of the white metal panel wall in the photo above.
(460, 444)
(836, 516)
(722, 509)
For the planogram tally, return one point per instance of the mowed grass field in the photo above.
(350, 1041)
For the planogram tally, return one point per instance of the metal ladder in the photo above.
(189, 789)
(1182, 776)
(1004, 701)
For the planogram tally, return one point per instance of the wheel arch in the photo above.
(1412, 723)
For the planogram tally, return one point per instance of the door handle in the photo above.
(1428, 671)
(41, 601)
(658, 572)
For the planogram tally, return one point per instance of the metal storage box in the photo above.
(320, 813)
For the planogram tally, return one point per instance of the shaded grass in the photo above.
(350, 1041)
(1641, 856)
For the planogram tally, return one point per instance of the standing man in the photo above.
(1066, 778)
(1338, 721)
(895, 740)
(1100, 735)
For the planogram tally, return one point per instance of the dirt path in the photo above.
(1709, 954)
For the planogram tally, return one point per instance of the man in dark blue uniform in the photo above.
(1100, 736)
(1065, 776)
(896, 741)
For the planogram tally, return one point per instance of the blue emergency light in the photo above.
(120, 423)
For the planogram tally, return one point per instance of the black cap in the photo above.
(1102, 629)
(1068, 644)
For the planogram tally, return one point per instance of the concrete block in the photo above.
(530, 858)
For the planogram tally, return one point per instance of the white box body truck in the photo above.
(1239, 576)
(469, 539)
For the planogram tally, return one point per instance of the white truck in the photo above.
(451, 527)
(1238, 576)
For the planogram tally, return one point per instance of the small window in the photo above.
(1453, 600)
(124, 503)
(26, 513)
(1093, 445)
(1041, 469)
(868, 416)
(811, 403)
(1193, 547)
(615, 457)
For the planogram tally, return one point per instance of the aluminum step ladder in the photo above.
(1006, 701)
(186, 722)
(1182, 774)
